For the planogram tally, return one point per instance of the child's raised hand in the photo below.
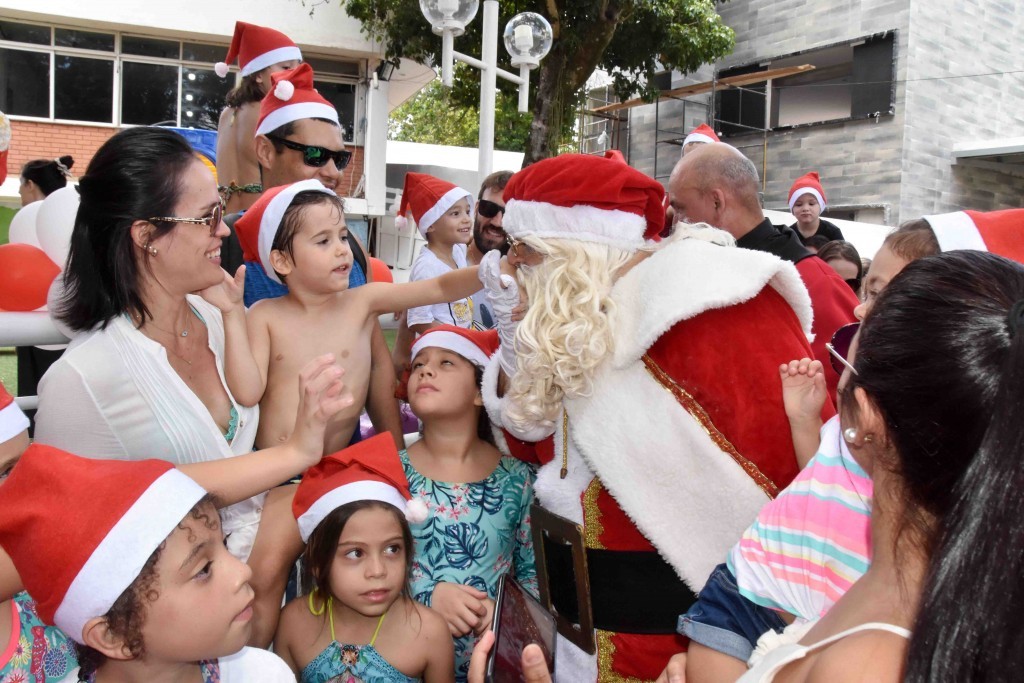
(227, 295)
(803, 389)
(322, 395)
(463, 607)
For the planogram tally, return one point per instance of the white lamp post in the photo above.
(527, 38)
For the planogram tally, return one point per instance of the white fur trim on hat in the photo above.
(343, 495)
(271, 219)
(119, 558)
(800, 191)
(581, 222)
(453, 342)
(697, 137)
(297, 112)
(281, 54)
(956, 231)
(443, 204)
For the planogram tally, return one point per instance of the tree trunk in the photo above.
(562, 73)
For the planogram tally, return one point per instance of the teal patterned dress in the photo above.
(475, 533)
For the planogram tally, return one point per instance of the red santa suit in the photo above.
(683, 437)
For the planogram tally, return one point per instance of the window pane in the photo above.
(343, 97)
(150, 47)
(25, 83)
(197, 52)
(149, 94)
(202, 97)
(83, 88)
(86, 40)
(332, 66)
(25, 33)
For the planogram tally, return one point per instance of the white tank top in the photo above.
(773, 661)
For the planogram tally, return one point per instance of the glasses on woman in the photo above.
(315, 156)
(212, 221)
(839, 348)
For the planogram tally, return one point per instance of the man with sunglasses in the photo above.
(488, 234)
(717, 185)
(299, 138)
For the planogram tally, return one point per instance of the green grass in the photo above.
(6, 215)
(9, 370)
(389, 337)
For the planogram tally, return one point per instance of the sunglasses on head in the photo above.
(212, 221)
(315, 156)
(839, 348)
(489, 209)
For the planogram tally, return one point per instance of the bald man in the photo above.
(715, 184)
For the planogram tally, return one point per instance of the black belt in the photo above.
(631, 591)
(611, 590)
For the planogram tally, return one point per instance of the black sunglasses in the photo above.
(839, 347)
(315, 156)
(489, 209)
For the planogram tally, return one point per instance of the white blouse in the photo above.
(113, 394)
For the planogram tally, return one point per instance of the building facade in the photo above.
(73, 73)
(913, 106)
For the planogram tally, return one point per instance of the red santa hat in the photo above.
(587, 198)
(1000, 232)
(258, 226)
(476, 346)
(80, 530)
(12, 421)
(809, 183)
(293, 98)
(370, 470)
(702, 133)
(256, 48)
(428, 198)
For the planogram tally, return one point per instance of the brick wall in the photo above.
(38, 140)
(35, 140)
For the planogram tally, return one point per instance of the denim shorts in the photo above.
(724, 620)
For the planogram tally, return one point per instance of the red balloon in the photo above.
(380, 270)
(26, 273)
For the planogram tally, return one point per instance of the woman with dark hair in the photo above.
(41, 177)
(144, 378)
(931, 406)
(845, 260)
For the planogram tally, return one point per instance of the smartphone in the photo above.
(518, 621)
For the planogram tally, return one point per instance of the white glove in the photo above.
(503, 295)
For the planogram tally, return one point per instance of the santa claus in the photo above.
(643, 380)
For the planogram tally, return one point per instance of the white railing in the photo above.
(28, 329)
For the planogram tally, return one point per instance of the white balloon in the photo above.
(23, 225)
(55, 222)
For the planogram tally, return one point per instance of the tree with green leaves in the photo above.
(630, 39)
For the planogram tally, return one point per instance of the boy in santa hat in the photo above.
(444, 216)
(260, 52)
(806, 202)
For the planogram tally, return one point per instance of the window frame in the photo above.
(761, 64)
(118, 58)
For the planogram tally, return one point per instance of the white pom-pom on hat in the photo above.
(416, 511)
(221, 69)
(284, 90)
(401, 222)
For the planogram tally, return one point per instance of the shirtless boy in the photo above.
(301, 236)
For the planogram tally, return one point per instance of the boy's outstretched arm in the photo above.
(452, 286)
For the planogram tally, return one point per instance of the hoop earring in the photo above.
(316, 612)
